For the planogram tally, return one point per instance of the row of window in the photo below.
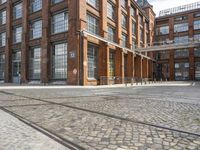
(59, 24)
(177, 28)
(35, 5)
(93, 27)
(58, 64)
(180, 53)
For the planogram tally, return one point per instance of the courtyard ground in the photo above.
(159, 116)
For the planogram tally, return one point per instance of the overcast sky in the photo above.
(165, 4)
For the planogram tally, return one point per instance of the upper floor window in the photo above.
(133, 43)
(111, 33)
(92, 24)
(181, 18)
(124, 21)
(36, 29)
(94, 3)
(124, 3)
(3, 1)
(140, 19)
(36, 5)
(196, 15)
(197, 37)
(124, 40)
(133, 28)
(181, 27)
(111, 10)
(133, 11)
(3, 39)
(56, 1)
(60, 22)
(17, 35)
(181, 53)
(17, 11)
(181, 39)
(3, 17)
(196, 24)
(163, 30)
(141, 35)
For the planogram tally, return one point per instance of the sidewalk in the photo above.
(15, 135)
(169, 83)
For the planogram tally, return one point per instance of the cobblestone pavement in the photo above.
(114, 118)
(15, 135)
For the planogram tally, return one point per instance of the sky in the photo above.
(165, 4)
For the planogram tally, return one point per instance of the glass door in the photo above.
(16, 67)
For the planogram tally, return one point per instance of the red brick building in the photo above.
(43, 41)
(179, 25)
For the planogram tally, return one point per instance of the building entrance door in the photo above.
(16, 67)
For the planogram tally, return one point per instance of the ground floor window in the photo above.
(197, 71)
(92, 61)
(181, 71)
(2, 66)
(59, 61)
(112, 63)
(34, 63)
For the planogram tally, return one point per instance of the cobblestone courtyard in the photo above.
(118, 118)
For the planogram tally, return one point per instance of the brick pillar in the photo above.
(138, 67)
(137, 28)
(130, 65)
(104, 63)
(8, 51)
(191, 50)
(129, 26)
(45, 47)
(83, 43)
(85, 60)
(171, 65)
(192, 64)
(150, 75)
(24, 46)
(73, 44)
(145, 68)
(171, 52)
(119, 61)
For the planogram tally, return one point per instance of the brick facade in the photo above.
(171, 20)
(77, 44)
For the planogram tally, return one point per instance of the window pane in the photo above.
(92, 24)
(60, 22)
(36, 29)
(17, 11)
(2, 39)
(59, 61)
(3, 17)
(34, 64)
(17, 35)
(92, 61)
(36, 5)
